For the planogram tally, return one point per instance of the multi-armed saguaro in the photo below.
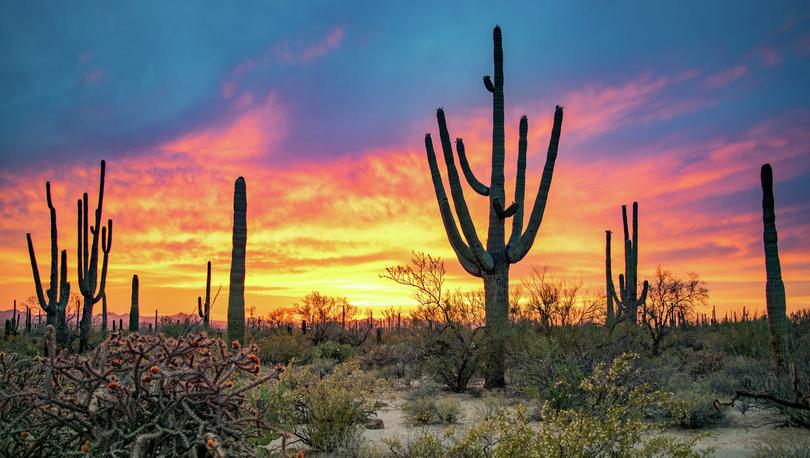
(55, 300)
(236, 298)
(626, 305)
(91, 288)
(492, 263)
(204, 309)
(774, 287)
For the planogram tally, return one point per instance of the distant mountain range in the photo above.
(124, 317)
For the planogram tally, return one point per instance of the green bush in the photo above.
(327, 413)
(613, 421)
(427, 410)
(282, 347)
(330, 350)
(454, 355)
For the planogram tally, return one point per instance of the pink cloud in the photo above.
(726, 77)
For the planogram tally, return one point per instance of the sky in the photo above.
(322, 107)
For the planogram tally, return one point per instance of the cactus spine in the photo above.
(628, 302)
(236, 296)
(204, 309)
(54, 301)
(134, 313)
(492, 264)
(774, 287)
(91, 286)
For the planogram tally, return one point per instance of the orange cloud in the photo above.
(333, 225)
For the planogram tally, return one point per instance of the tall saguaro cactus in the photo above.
(134, 311)
(91, 287)
(236, 298)
(774, 287)
(54, 301)
(204, 309)
(492, 264)
(628, 301)
(610, 318)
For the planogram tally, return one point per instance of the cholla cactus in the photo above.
(137, 395)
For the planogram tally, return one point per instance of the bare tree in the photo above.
(670, 297)
(562, 302)
(324, 314)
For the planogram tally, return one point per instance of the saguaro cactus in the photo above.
(627, 305)
(204, 309)
(91, 288)
(774, 287)
(610, 318)
(134, 312)
(492, 264)
(54, 301)
(236, 298)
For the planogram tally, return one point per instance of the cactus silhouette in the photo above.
(628, 301)
(54, 301)
(134, 312)
(91, 286)
(204, 309)
(236, 297)
(492, 264)
(104, 315)
(774, 287)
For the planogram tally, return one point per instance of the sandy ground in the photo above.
(737, 435)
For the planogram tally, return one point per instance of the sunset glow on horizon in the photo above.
(323, 112)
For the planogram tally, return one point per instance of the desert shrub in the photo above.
(20, 344)
(453, 356)
(136, 395)
(780, 449)
(394, 360)
(614, 421)
(430, 410)
(330, 350)
(282, 348)
(327, 413)
(543, 367)
(697, 411)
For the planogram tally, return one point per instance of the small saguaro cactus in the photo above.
(55, 299)
(774, 287)
(204, 309)
(628, 301)
(91, 283)
(134, 313)
(27, 320)
(236, 297)
(492, 263)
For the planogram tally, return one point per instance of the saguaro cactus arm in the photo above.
(463, 252)
(37, 281)
(106, 246)
(477, 186)
(522, 246)
(467, 226)
(520, 182)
